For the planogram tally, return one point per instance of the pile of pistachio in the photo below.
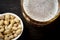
(10, 27)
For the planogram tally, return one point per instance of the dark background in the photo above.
(48, 32)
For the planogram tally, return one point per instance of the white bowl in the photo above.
(20, 21)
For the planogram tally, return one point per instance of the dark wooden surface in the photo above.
(31, 32)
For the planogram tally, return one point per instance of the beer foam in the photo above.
(41, 10)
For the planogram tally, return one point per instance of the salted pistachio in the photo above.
(15, 35)
(16, 20)
(15, 25)
(1, 17)
(19, 27)
(18, 31)
(1, 22)
(7, 16)
(13, 32)
(1, 29)
(12, 17)
(11, 36)
(7, 31)
(12, 21)
(6, 22)
(6, 37)
(9, 26)
(1, 35)
(6, 27)
(14, 28)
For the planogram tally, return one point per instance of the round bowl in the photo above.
(20, 22)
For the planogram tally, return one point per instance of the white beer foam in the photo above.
(41, 10)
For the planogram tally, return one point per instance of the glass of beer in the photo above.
(40, 12)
